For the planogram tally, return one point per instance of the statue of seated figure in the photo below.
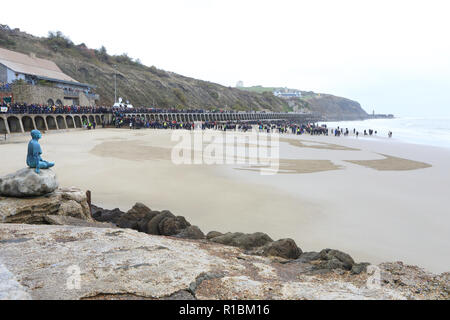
(34, 159)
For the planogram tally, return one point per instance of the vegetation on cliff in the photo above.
(328, 106)
(150, 86)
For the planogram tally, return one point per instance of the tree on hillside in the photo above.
(102, 54)
(57, 41)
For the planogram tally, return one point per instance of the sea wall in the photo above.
(37, 94)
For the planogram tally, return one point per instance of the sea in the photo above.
(425, 131)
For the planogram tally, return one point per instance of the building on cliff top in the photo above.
(40, 81)
(287, 93)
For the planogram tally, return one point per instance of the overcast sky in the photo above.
(391, 56)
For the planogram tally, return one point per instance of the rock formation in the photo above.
(165, 257)
(144, 219)
(27, 183)
(62, 202)
(61, 262)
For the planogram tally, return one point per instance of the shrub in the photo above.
(179, 95)
(158, 72)
(213, 94)
(102, 54)
(58, 41)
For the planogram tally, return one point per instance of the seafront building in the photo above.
(28, 80)
(31, 80)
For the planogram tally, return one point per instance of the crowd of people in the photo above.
(43, 109)
(5, 87)
(122, 119)
(16, 108)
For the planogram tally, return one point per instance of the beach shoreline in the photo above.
(375, 215)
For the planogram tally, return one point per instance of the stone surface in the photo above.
(63, 202)
(133, 216)
(172, 226)
(42, 262)
(191, 232)
(27, 183)
(334, 259)
(284, 248)
(153, 226)
(142, 224)
(70, 221)
(105, 215)
(10, 289)
(143, 219)
(213, 234)
(360, 267)
(139, 211)
(244, 241)
(306, 257)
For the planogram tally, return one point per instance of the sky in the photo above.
(390, 56)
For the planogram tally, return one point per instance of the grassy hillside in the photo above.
(140, 84)
(329, 106)
(150, 86)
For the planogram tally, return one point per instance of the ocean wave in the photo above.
(427, 131)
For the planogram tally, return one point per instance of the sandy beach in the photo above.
(377, 199)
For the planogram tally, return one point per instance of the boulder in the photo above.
(307, 257)
(131, 219)
(34, 210)
(284, 248)
(36, 262)
(104, 215)
(191, 232)
(243, 241)
(126, 221)
(213, 234)
(343, 260)
(139, 211)
(359, 268)
(153, 224)
(142, 224)
(172, 226)
(27, 183)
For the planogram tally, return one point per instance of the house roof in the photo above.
(22, 63)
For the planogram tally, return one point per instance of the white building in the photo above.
(32, 71)
(287, 93)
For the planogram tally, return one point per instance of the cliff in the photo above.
(330, 107)
(150, 86)
(335, 108)
(140, 84)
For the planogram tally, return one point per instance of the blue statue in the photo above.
(34, 159)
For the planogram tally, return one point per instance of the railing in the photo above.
(92, 96)
(5, 89)
(71, 93)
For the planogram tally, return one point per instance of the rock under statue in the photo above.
(34, 159)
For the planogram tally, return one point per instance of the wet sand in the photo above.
(375, 199)
(390, 163)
